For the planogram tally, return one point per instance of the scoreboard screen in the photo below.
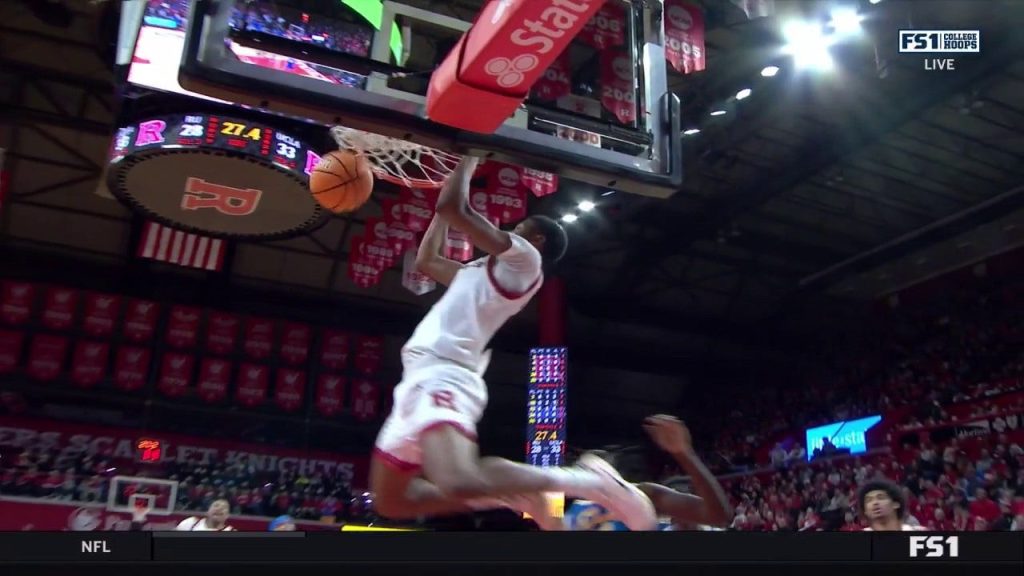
(546, 403)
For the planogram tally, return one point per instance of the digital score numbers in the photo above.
(218, 132)
(546, 403)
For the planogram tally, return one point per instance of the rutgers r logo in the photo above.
(200, 194)
(935, 546)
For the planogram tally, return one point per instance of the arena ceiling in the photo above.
(818, 190)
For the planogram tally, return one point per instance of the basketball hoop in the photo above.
(398, 161)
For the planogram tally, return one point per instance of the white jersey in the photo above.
(196, 524)
(483, 295)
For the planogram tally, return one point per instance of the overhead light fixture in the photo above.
(608, 193)
(808, 45)
(874, 1)
(846, 21)
(718, 113)
(586, 205)
(691, 131)
(743, 94)
(570, 218)
(769, 71)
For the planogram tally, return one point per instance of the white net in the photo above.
(398, 161)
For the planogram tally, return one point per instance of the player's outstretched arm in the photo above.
(429, 257)
(709, 505)
(453, 205)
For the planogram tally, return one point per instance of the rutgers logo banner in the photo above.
(222, 332)
(618, 95)
(607, 28)
(140, 320)
(334, 349)
(259, 338)
(175, 374)
(16, 302)
(539, 182)
(252, 385)
(214, 377)
(369, 352)
(402, 237)
(506, 192)
(100, 313)
(10, 350)
(418, 206)
(365, 399)
(555, 82)
(290, 389)
(46, 357)
(684, 36)
(89, 363)
(59, 308)
(361, 269)
(330, 394)
(295, 342)
(131, 365)
(377, 244)
(183, 327)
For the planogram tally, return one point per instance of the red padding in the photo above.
(490, 71)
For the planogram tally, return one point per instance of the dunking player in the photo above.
(708, 506)
(426, 460)
(881, 503)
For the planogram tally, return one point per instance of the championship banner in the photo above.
(506, 193)
(555, 83)
(684, 36)
(183, 327)
(59, 308)
(361, 270)
(101, 312)
(253, 380)
(290, 389)
(330, 394)
(546, 411)
(214, 379)
(539, 182)
(295, 342)
(131, 367)
(16, 302)
(11, 343)
(46, 357)
(402, 237)
(175, 374)
(259, 338)
(607, 29)
(365, 398)
(89, 363)
(412, 279)
(418, 207)
(140, 320)
(618, 95)
(369, 354)
(457, 246)
(377, 244)
(334, 348)
(222, 332)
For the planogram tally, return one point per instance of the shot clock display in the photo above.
(545, 431)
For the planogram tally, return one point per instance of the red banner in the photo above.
(506, 193)
(259, 338)
(684, 36)
(183, 327)
(606, 29)
(539, 182)
(140, 320)
(457, 246)
(63, 439)
(89, 363)
(334, 349)
(365, 399)
(401, 236)
(290, 389)
(16, 302)
(377, 248)
(100, 313)
(361, 270)
(555, 83)
(59, 308)
(617, 92)
(10, 350)
(369, 353)
(295, 342)
(412, 279)
(252, 385)
(214, 378)
(175, 374)
(418, 206)
(131, 367)
(330, 394)
(46, 357)
(222, 332)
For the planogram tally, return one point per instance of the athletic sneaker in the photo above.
(535, 504)
(624, 500)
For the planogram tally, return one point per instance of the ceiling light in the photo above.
(608, 193)
(570, 218)
(874, 1)
(586, 205)
(718, 113)
(743, 94)
(691, 131)
(769, 71)
(808, 45)
(845, 21)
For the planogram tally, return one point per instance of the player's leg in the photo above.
(401, 494)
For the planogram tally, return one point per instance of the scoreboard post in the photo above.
(546, 411)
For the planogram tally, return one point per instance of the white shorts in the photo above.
(433, 392)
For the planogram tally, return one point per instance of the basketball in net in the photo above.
(398, 161)
(342, 181)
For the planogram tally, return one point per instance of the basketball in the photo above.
(342, 181)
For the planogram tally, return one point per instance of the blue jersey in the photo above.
(589, 516)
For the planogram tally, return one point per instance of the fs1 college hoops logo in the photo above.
(939, 42)
(934, 546)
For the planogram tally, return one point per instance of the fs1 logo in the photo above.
(938, 41)
(935, 546)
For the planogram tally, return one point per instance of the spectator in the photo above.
(215, 520)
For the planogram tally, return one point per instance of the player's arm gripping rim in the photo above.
(453, 205)
(710, 505)
(429, 257)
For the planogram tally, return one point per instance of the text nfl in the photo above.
(935, 546)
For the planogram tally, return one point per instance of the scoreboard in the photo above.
(545, 430)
